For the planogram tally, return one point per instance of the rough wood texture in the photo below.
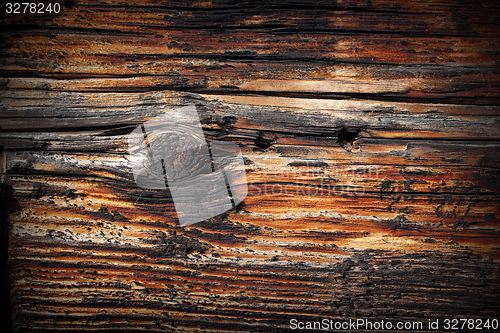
(370, 133)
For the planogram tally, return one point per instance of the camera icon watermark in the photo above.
(170, 152)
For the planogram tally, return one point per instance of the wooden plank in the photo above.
(278, 116)
(370, 135)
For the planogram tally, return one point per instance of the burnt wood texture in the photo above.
(370, 133)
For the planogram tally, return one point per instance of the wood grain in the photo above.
(370, 134)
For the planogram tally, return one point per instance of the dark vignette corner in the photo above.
(7, 205)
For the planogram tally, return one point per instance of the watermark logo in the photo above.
(312, 179)
(170, 152)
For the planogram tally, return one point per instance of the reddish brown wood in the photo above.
(370, 133)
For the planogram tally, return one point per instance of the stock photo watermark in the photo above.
(357, 324)
(205, 179)
(313, 179)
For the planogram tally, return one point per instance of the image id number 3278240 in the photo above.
(471, 324)
(32, 8)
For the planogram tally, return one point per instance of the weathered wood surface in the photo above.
(370, 134)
